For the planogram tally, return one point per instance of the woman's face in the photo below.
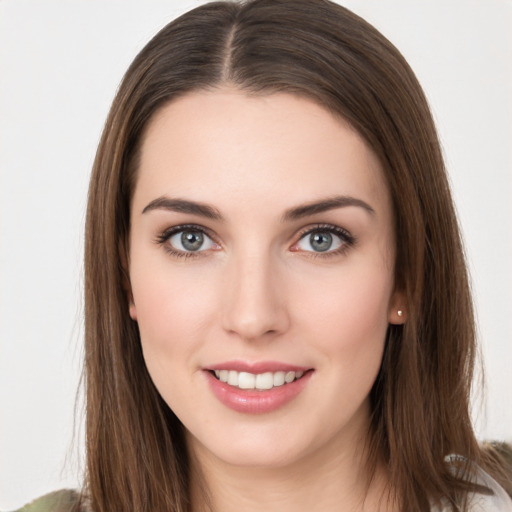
(261, 254)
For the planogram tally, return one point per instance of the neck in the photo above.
(327, 479)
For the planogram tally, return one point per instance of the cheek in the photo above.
(347, 325)
(174, 310)
(173, 306)
(350, 312)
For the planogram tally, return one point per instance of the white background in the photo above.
(60, 64)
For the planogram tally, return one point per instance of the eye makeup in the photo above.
(322, 237)
(195, 241)
(319, 240)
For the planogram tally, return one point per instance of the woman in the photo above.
(277, 306)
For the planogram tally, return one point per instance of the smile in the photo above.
(256, 388)
(259, 381)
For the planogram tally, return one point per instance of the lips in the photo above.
(256, 388)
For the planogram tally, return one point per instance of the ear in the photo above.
(133, 310)
(397, 312)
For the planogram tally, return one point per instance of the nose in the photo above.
(254, 305)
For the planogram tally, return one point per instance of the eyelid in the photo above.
(166, 233)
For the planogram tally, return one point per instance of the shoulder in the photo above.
(497, 500)
(59, 501)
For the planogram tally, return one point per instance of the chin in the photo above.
(270, 446)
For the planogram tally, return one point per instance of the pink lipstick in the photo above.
(256, 388)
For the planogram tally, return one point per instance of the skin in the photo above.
(259, 291)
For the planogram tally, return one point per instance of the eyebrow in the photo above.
(183, 206)
(324, 205)
(298, 212)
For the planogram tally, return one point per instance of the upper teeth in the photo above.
(267, 380)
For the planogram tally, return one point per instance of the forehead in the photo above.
(223, 144)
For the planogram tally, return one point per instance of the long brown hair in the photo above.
(136, 455)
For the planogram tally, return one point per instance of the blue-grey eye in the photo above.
(190, 240)
(320, 241)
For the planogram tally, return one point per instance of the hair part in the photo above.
(136, 454)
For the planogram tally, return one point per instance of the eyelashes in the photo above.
(319, 240)
(324, 240)
(188, 240)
